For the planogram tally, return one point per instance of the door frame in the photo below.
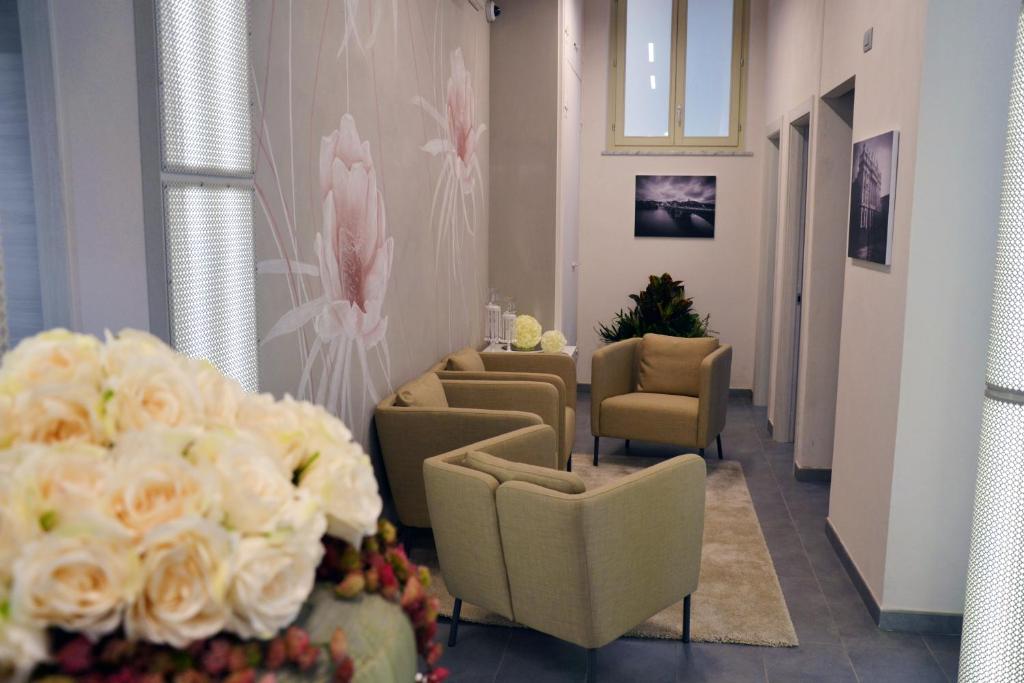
(766, 272)
(794, 181)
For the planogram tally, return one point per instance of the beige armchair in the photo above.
(428, 416)
(556, 369)
(584, 567)
(662, 389)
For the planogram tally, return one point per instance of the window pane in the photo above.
(708, 68)
(648, 68)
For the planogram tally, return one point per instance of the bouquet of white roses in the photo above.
(146, 491)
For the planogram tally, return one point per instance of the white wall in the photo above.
(961, 134)
(720, 274)
(913, 335)
(96, 95)
(887, 81)
(871, 351)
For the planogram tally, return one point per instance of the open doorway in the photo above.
(788, 295)
(766, 275)
(823, 283)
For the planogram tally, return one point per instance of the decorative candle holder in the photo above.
(508, 325)
(492, 316)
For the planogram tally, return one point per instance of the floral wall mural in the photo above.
(371, 189)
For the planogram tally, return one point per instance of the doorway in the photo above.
(823, 284)
(766, 276)
(788, 295)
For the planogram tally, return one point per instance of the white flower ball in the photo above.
(552, 341)
(527, 332)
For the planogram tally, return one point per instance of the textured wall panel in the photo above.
(204, 93)
(212, 277)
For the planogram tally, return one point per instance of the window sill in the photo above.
(675, 153)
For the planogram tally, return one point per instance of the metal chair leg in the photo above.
(591, 665)
(597, 443)
(454, 631)
(686, 619)
(719, 439)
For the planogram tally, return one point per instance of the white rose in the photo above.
(343, 481)
(186, 568)
(152, 391)
(15, 531)
(53, 486)
(79, 583)
(221, 395)
(281, 423)
(55, 357)
(272, 581)
(255, 488)
(56, 413)
(155, 486)
(6, 421)
(131, 346)
(22, 646)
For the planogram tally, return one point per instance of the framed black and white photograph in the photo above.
(872, 197)
(675, 206)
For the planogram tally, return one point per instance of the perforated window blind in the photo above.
(206, 153)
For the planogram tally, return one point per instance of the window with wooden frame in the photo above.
(677, 73)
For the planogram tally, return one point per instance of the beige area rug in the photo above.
(738, 600)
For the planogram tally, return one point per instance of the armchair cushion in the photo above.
(466, 359)
(663, 418)
(671, 365)
(426, 391)
(505, 470)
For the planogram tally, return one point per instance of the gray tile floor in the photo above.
(838, 639)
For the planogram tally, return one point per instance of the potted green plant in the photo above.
(661, 308)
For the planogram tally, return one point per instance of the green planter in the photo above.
(380, 637)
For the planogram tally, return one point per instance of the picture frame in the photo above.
(872, 198)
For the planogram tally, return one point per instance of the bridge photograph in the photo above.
(675, 206)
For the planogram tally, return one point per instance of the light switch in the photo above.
(869, 37)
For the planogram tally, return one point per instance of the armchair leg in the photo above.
(597, 443)
(719, 440)
(702, 452)
(453, 632)
(591, 665)
(686, 619)
(568, 464)
(627, 445)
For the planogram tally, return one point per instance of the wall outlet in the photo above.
(869, 39)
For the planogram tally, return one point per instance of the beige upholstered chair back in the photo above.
(587, 568)
(465, 517)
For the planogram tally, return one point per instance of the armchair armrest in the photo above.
(545, 363)
(408, 436)
(612, 370)
(715, 372)
(538, 398)
(612, 557)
